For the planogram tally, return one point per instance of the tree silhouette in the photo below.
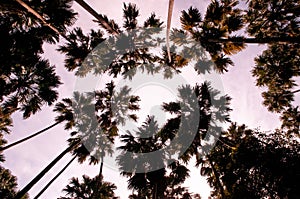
(156, 181)
(276, 69)
(8, 184)
(27, 81)
(87, 189)
(256, 165)
(221, 20)
(109, 25)
(66, 114)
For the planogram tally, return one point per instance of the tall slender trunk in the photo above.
(54, 178)
(99, 180)
(216, 174)
(21, 193)
(90, 10)
(28, 137)
(170, 10)
(101, 166)
(292, 92)
(37, 15)
(296, 91)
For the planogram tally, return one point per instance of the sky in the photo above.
(29, 158)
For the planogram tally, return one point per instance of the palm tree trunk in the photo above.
(292, 92)
(21, 193)
(101, 167)
(170, 10)
(296, 91)
(99, 179)
(28, 137)
(37, 15)
(217, 177)
(54, 178)
(90, 10)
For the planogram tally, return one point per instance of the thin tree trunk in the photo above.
(99, 179)
(101, 167)
(217, 177)
(90, 10)
(170, 10)
(28, 137)
(21, 193)
(54, 178)
(292, 92)
(296, 91)
(37, 15)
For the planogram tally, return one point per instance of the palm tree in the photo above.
(271, 71)
(55, 15)
(98, 133)
(149, 176)
(37, 15)
(75, 146)
(119, 62)
(8, 184)
(81, 153)
(27, 80)
(66, 114)
(222, 19)
(258, 166)
(87, 189)
(214, 26)
(102, 19)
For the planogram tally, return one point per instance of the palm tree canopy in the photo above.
(87, 188)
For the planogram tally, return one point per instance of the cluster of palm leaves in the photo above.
(233, 168)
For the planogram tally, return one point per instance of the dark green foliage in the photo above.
(153, 22)
(66, 113)
(28, 81)
(57, 13)
(276, 69)
(169, 173)
(130, 14)
(273, 18)
(79, 46)
(291, 121)
(2, 142)
(222, 18)
(249, 164)
(86, 54)
(87, 189)
(8, 184)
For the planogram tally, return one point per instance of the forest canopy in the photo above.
(156, 157)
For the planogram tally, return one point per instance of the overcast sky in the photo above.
(27, 159)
